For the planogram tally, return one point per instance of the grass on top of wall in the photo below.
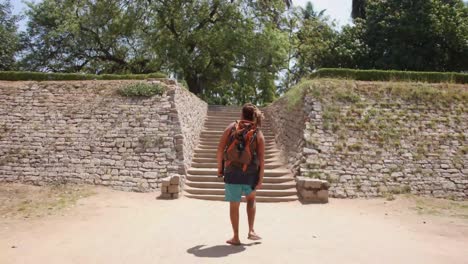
(391, 75)
(141, 90)
(347, 91)
(380, 111)
(45, 76)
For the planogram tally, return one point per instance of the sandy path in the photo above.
(120, 227)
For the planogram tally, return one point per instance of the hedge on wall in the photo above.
(382, 75)
(44, 76)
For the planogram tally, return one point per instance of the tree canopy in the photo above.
(231, 52)
(9, 37)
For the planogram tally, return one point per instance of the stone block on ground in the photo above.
(165, 196)
(312, 190)
(166, 182)
(173, 189)
(175, 180)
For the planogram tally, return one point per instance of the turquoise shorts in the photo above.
(233, 192)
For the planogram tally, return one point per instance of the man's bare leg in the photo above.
(234, 214)
(251, 210)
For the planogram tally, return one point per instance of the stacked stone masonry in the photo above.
(84, 132)
(190, 111)
(312, 190)
(288, 125)
(171, 187)
(375, 146)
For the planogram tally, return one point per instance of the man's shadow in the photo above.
(218, 251)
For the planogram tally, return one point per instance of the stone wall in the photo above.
(84, 132)
(373, 139)
(191, 113)
(287, 122)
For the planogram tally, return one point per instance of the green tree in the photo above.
(225, 51)
(358, 9)
(9, 38)
(90, 36)
(349, 49)
(315, 41)
(417, 35)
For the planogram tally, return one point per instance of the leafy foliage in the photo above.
(358, 9)
(9, 38)
(381, 75)
(141, 90)
(225, 51)
(89, 36)
(390, 35)
(232, 52)
(416, 35)
(42, 76)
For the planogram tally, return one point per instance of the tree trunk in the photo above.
(358, 9)
(194, 83)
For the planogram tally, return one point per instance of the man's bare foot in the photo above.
(253, 236)
(234, 241)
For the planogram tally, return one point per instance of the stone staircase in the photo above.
(202, 182)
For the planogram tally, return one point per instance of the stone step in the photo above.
(227, 121)
(213, 155)
(223, 127)
(213, 164)
(214, 146)
(211, 178)
(213, 120)
(225, 108)
(258, 199)
(215, 140)
(216, 120)
(202, 182)
(218, 133)
(260, 193)
(205, 141)
(221, 131)
(211, 150)
(279, 172)
(214, 160)
(211, 138)
(220, 185)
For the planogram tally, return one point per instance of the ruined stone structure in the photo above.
(374, 139)
(84, 132)
(366, 139)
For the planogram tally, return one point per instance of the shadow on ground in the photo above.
(218, 251)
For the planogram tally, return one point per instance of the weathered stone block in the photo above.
(173, 189)
(166, 182)
(150, 175)
(312, 190)
(165, 196)
(316, 184)
(175, 180)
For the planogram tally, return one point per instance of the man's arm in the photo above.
(261, 158)
(221, 147)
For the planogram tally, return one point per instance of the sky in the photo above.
(338, 10)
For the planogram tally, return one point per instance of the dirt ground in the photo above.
(106, 226)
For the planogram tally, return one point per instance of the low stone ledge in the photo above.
(171, 187)
(312, 190)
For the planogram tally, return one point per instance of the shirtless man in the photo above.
(238, 181)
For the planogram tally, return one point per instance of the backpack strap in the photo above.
(251, 135)
(230, 140)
